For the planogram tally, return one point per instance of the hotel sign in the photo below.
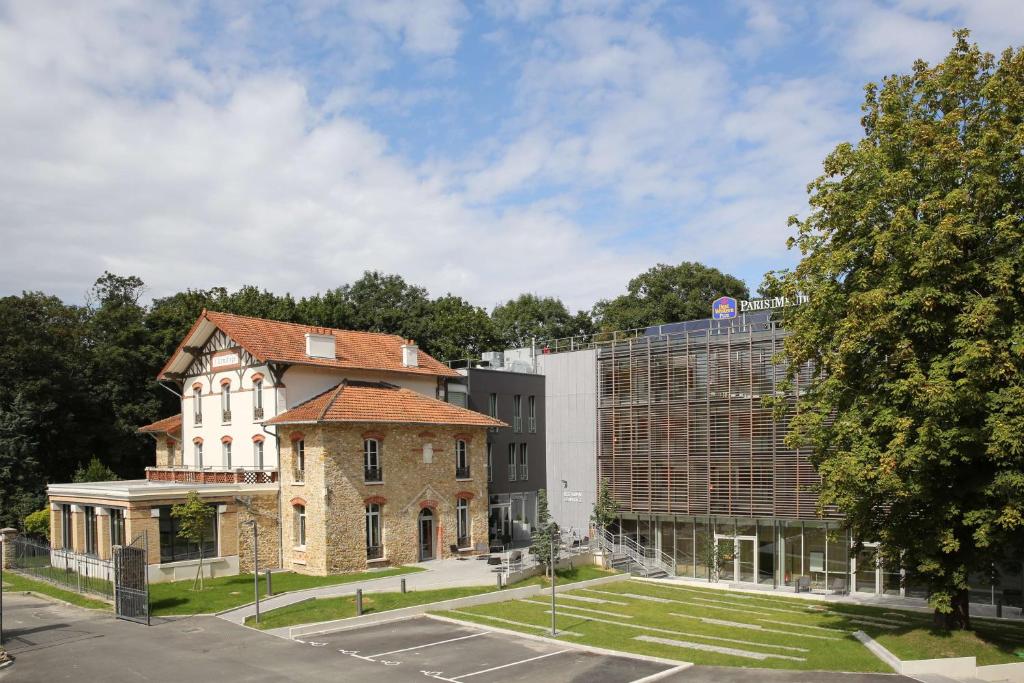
(726, 307)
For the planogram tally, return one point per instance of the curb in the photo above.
(676, 663)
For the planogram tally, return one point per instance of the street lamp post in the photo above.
(255, 567)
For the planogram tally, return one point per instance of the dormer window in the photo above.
(320, 346)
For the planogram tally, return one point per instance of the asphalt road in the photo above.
(55, 642)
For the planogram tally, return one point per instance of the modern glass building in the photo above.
(699, 466)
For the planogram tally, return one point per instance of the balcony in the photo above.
(462, 472)
(198, 419)
(257, 413)
(373, 474)
(210, 475)
(517, 424)
(225, 417)
(374, 552)
(531, 425)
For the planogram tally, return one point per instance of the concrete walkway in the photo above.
(451, 573)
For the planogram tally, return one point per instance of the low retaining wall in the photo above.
(952, 667)
(455, 603)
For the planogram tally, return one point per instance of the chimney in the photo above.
(410, 354)
(320, 345)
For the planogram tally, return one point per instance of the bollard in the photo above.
(403, 585)
(499, 581)
(359, 602)
(270, 588)
(999, 609)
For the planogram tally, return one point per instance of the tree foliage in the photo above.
(193, 517)
(37, 524)
(520, 321)
(545, 538)
(667, 294)
(606, 510)
(913, 259)
(94, 471)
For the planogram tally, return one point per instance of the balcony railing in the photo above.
(225, 416)
(257, 413)
(531, 425)
(211, 475)
(524, 472)
(462, 472)
(463, 541)
(374, 552)
(517, 424)
(198, 418)
(373, 474)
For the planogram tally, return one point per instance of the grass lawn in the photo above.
(17, 582)
(326, 609)
(223, 593)
(725, 628)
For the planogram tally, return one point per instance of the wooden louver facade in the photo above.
(682, 428)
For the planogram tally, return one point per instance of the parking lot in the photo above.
(450, 652)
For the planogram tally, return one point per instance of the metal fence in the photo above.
(70, 570)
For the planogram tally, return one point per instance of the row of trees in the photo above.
(76, 381)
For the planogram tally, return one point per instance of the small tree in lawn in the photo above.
(605, 508)
(708, 555)
(193, 516)
(546, 535)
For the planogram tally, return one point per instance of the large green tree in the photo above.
(913, 258)
(667, 294)
(530, 317)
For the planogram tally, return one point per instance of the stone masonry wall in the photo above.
(264, 510)
(335, 522)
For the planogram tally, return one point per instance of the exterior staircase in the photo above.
(627, 555)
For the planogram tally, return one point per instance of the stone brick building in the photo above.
(263, 401)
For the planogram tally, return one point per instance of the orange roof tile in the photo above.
(165, 426)
(380, 402)
(281, 342)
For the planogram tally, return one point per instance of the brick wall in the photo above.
(335, 523)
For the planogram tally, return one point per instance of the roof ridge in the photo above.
(304, 325)
(330, 402)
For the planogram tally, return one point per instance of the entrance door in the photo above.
(426, 535)
(737, 558)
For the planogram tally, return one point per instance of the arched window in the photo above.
(226, 453)
(197, 403)
(257, 399)
(372, 471)
(299, 532)
(374, 544)
(461, 460)
(257, 452)
(462, 523)
(198, 448)
(225, 401)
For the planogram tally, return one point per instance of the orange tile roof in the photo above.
(165, 426)
(281, 342)
(380, 402)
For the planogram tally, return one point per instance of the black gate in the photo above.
(131, 580)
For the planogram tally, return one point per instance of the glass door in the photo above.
(867, 571)
(746, 560)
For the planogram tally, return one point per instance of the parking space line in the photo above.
(657, 676)
(505, 666)
(420, 647)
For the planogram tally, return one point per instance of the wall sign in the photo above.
(725, 307)
(225, 360)
(572, 496)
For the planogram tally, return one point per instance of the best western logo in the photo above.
(723, 307)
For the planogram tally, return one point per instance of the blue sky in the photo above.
(483, 149)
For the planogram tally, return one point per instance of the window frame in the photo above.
(225, 454)
(511, 461)
(492, 405)
(299, 527)
(463, 529)
(197, 408)
(373, 517)
(257, 453)
(225, 403)
(66, 526)
(197, 451)
(299, 461)
(116, 526)
(490, 462)
(168, 536)
(91, 541)
(372, 461)
(524, 462)
(517, 413)
(462, 470)
(531, 414)
(257, 399)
